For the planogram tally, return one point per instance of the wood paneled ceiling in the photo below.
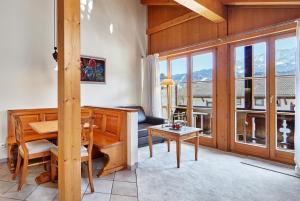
(214, 10)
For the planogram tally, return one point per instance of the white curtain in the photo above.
(151, 91)
(297, 108)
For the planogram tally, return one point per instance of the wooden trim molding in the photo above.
(276, 29)
(173, 22)
(159, 2)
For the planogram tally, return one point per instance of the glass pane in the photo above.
(239, 62)
(163, 68)
(202, 118)
(259, 59)
(179, 97)
(285, 131)
(285, 93)
(259, 93)
(179, 69)
(285, 56)
(202, 67)
(251, 127)
(181, 91)
(179, 75)
(164, 96)
(240, 93)
(202, 94)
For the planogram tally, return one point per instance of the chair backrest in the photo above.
(87, 124)
(19, 134)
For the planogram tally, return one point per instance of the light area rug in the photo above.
(215, 176)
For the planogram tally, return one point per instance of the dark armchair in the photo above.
(143, 123)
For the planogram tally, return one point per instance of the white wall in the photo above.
(27, 78)
(123, 50)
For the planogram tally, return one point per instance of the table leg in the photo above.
(150, 141)
(168, 142)
(178, 152)
(196, 146)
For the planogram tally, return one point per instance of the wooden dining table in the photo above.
(42, 128)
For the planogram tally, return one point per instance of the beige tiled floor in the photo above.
(120, 186)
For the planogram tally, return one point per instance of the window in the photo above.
(163, 68)
(285, 65)
(179, 90)
(192, 96)
(250, 92)
(259, 102)
(202, 89)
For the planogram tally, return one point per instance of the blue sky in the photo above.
(200, 62)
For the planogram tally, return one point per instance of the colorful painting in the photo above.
(92, 69)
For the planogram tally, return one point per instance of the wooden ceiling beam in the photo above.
(212, 10)
(159, 2)
(173, 22)
(261, 3)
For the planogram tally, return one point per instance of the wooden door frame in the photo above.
(238, 147)
(275, 154)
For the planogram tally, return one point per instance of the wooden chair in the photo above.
(86, 150)
(27, 151)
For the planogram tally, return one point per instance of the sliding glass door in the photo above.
(263, 97)
(250, 111)
(193, 94)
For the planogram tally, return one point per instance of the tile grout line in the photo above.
(9, 188)
(31, 191)
(112, 186)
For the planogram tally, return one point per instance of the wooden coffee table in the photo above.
(177, 135)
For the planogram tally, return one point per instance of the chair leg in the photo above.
(17, 167)
(90, 174)
(53, 167)
(24, 174)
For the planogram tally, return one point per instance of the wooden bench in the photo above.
(110, 133)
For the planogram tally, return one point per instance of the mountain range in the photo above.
(285, 65)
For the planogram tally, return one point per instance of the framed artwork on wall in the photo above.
(93, 69)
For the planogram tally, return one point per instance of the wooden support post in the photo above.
(69, 140)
